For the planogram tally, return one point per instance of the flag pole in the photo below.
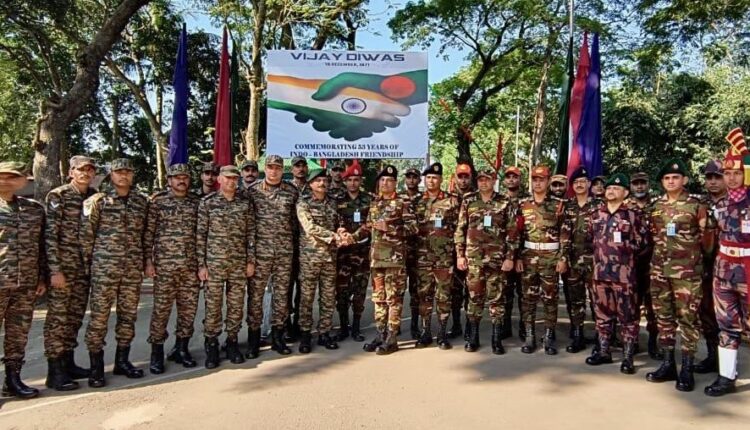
(518, 127)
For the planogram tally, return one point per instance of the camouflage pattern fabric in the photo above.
(459, 293)
(412, 273)
(353, 263)
(643, 271)
(577, 281)
(615, 302)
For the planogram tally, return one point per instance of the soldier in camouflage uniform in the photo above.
(459, 293)
(597, 186)
(677, 221)
(319, 239)
(512, 287)
(169, 249)
(23, 268)
(486, 245)
(69, 286)
(249, 173)
(337, 188)
(437, 216)
(618, 234)
(112, 242)
(299, 180)
(275, 203)
(544, 255)
(209, 173)
(226, 226)
(390, 222)
(353, 263)
(410, 195)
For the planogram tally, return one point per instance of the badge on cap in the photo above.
(675, 166)
(435, 168)
(389, 170)
(617, 181)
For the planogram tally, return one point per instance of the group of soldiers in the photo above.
(683, 258)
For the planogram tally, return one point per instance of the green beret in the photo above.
(619, 179)
(672, 166)
(315, 173)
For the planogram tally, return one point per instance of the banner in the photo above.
(347, 104)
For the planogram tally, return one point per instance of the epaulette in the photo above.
(701, 198)
(158, 194)
(209, 195)
(30, 202)
(471, 196)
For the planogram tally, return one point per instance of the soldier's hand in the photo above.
(203, 274)
(150, 270)
(57, 280)
(381, 225)
(507, 266)
(462, 263)
(41, 288)
(250, 270)
(519, 266)
(562, 266)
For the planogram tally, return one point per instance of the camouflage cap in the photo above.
(299, 159)
(178, 169)
(13, 167)
(487, 173)
(512, 170)
(249, 163)
(673, 166)
(639, 176)
(78, 161)
(315, 173)
(713, 167)
(463, 169)
(540, 172)
(338, 165)
(561, 179)
(229, 171)
(274, 160)
(618, 179)
(122, 164)
(209, 167)
(412, 171)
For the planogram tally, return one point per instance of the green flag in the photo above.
(564, 142)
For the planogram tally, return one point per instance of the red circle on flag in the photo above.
(397, 87)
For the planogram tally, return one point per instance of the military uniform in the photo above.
(512, 290)
(412, 274)
(207, 167)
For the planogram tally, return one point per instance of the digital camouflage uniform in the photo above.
(169, 242)
(709, 323)
(412, 274)
(294, 292)
(65, 306)
(645, 304)
(578, 280)
(459, 293)
(353, 261)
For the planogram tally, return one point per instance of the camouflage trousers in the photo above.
(388, 288)
(220, 282)
(709, 324)
(412, 280)
(676, 303)
(106, 291)
(731, 300)
(459, 293)
(485, 282)
(575, 285)
(539, 279)
(16, 314)
(321, 276)
(277, 269)
(615, 302)
(511, 291)
(177, 286)
(66, 308)
(644, 301)
(294, 293)
(353, 268)
(435, 284)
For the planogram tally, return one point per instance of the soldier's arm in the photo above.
(149, 233)
(640, 232)
(251, 228)
(52, 226)
(707, 224)
(44, 271)
(409, 219)
(201, 233)
(364, 230)
(566, 229)
(90, 216)
(513, 235)
(460, 236)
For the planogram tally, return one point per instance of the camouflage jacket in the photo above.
(348, 208)
(577, 216)
(437, 219)
(679, 255)
(303, 189)
(544, 223)
(617, 239)
(412, 242)
(729, 217)
(388, 249)
(336, 193)
(169, 239)
(22, 258)
(225, 230)
(319, 221)
(63, 227)
(112, 232)
(275, 208)
(198, 192)
(487, 232)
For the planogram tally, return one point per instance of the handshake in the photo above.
(344, 238)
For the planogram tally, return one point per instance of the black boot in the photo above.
(13, 386)
(472, 345)
(356, 331)
(277, 341)
(722, 385)
(425, 337)
(442, 336)
(415, 332)
(156, 366)
(600, 354)
(123, 366)
(627, 367)
(344, 325)
(467, 330)
(233, 352)
(212, 353)
(667, 371)
(550, 347)
(327, 341)
(57, 376)
(653, 349)
(497, 339)
(305, 342)
(685, 380)
(253, 343)
(389, 346)
(183, 355)
(578, 342)
(711, 363)
(456, 330)
(96, 377)
(507, 327)
(74, 371)
(174, 353)
(289, 333)
(529, 345)
(522, 330)
(376, 342)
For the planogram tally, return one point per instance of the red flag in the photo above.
(576, 104)
(223, 128)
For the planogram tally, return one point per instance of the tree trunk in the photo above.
(540, 114)
(115, 106)
(255, 78)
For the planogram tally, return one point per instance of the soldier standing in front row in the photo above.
(512, 288)
(226, 226)
(410, 195)
(390, 222)
(169, 250)
(459, 293)
(299, 180)
(112, 242)
(23, 273)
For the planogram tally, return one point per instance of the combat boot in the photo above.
(710, 363)
(344, 326)
(722, 385)
(212, 353)
(70, 366)
(327, 341)
(57, 378)
(685, 380)
(356, 331)
(96, 377)
(507, 326)
(389, 346)
(305, 342)
(472, 345)
(13, 386)
(600, 353)
(376, 342)
(253, 343)
(550, 347)
(123, 366)
(156, 365)
(233, 352)
(173, 354)
(578, 342)
(627, 367)
(529, 345)
(425, 337)
(288, 333)
(653, 349)
(467, 329)
(183, 355)
(277, 341)
(414, 328)
(456, 330)
(442, 336)
(497, 339)
(667, 371)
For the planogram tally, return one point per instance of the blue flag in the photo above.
(590, 131)
(178, 148)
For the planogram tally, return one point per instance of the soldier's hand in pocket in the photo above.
(203, 274)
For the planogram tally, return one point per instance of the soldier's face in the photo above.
(300, 170)
(673, 182)
(274, 173)
(208, 179)
(734, 179)
(336, 174)
(557, 189)
(228, 183)
(411, 182)
(485, 184)
(639, 187)
(319, 184)
(581, 186)
(432, 182)
(249, 174)
(83, 175)
(597, 188)
(463, 181)
(615, 193)
(353, 183)
(512, 181)
(387, 185)
(122, 178)
(179, 184)
(539, 184)
(10, 183)
(715, 184)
